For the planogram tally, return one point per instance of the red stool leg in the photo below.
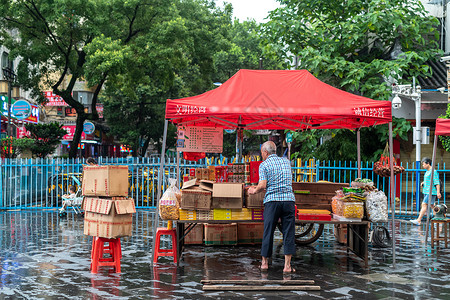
(117, 255)
(174, 246)
(157, 247)
(96, 253)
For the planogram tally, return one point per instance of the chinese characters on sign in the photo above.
(369, 112)
(70, 133)
(200, 139)
(190, 109)
(54, 100)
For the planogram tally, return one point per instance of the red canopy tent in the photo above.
(279, 99)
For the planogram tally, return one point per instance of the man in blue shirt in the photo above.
(275, 175)
(426, 184)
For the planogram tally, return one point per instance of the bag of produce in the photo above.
(169, 204)
(376, 206)
(382, 166)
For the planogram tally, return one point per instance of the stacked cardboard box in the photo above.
(195, 236)
(195, 197)
(221, 234)
(108, 211)
(227, 195)
(250, 233)
(254, 200)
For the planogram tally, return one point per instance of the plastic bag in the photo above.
(376, 206)
(169, 204)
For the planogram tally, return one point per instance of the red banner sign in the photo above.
(71, 132)
(54, 100)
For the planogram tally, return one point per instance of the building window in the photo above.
(5, 60)
(60, 111)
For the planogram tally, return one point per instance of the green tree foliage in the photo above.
(244, 52)
(46, 137)
(349, 44)
(173, 60)
(62, 41)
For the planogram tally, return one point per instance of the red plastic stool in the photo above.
(99, 249)
(165, 252)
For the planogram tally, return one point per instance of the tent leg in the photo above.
(431, 188)
(392, 181)
(178, 169)
(159, 187)
(358, 151)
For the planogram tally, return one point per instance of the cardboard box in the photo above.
(250, 233)
(187, 214)
(340, 232)
(195, 198)
(205, 174)
(221, 234)
(227, 195)
(195, 236)
(190, 183)
(207, 185)
(222, 214)
(108, 218)
(205, 215)
(212, 173)
(257, 214)
(241, 214)
(255, 200)
(105, 181)
(199, 173)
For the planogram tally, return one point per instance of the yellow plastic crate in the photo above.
(222, 214)
(187, 215)
(241, 214)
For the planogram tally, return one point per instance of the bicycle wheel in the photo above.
(307, 233)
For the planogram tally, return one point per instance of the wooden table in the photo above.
(357, 233)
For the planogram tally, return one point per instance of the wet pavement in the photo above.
(43, 257)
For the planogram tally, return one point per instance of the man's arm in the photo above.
(260, 187)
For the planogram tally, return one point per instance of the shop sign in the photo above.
(99, 108)
(71, 112)
(22, 132)
(200, 139)
(289, 137)
(88, 127)
(21, 109)
(71, 132)
(53, 99)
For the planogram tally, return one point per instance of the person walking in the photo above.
(275, 175)
(426, 184)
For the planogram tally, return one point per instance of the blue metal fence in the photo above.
(40, 183)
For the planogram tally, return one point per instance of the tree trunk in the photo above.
(81, 117)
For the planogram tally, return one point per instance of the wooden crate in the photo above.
(320, 194)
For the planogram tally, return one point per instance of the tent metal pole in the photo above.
(392, 182)
(358, 151)
(433, 159)
(159, 187)
(178, 169)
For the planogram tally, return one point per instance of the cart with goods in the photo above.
(254, 100)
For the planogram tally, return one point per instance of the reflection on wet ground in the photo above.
(44, 257)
